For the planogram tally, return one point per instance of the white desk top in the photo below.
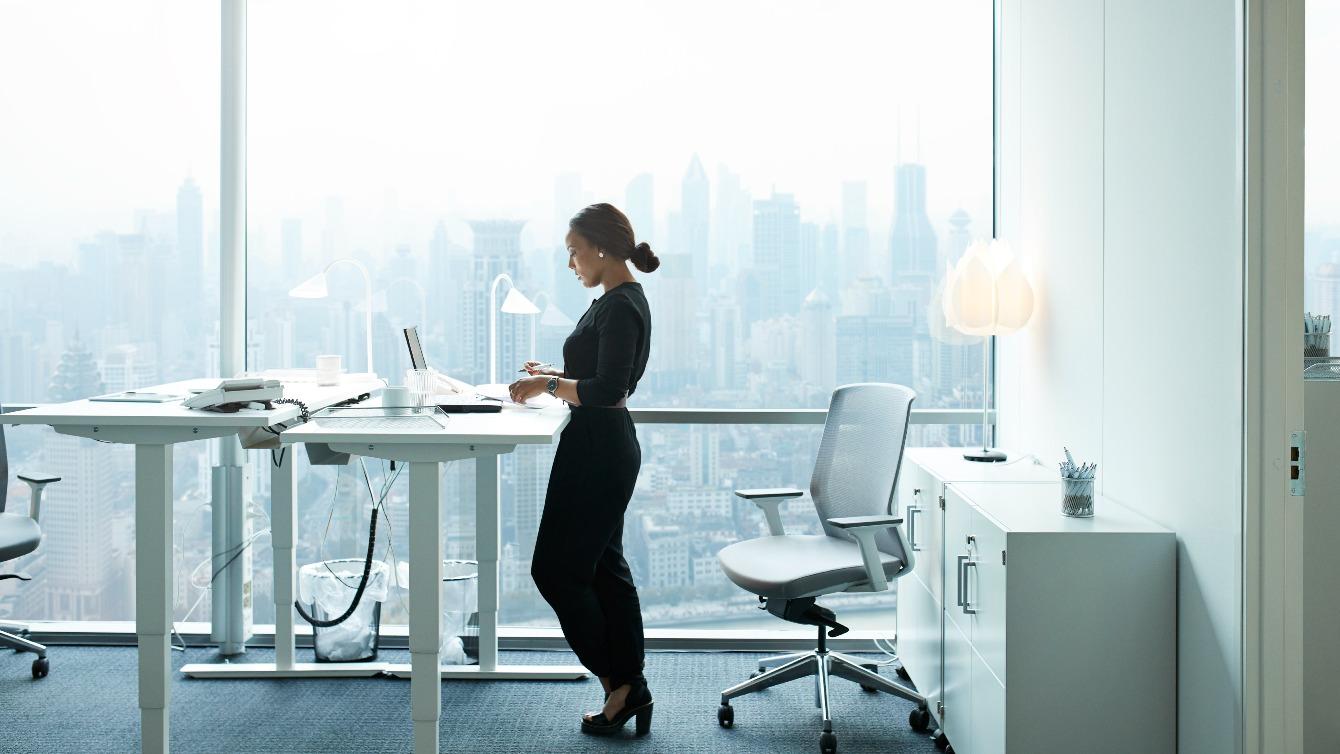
(173, 414)
(949, 465)
(511, 426)
(1028, 508)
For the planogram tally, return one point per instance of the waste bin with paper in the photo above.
(327, 588)
(459, 637)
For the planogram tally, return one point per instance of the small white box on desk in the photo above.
(1060, 633)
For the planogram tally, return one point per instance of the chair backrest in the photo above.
(4, 470)
(862, 448)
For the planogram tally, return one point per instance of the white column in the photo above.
(283, 523)
(486, 552)
(153, 590)
(425, 603)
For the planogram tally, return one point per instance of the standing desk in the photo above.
(154, 428)
(483, 437)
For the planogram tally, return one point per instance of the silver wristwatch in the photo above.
(551, 385)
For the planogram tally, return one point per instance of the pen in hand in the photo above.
(537, 366)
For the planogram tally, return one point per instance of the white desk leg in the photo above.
(425, 603)
(153, 590)
(486, 552)
(283, 523)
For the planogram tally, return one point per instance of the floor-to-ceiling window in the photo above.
(805, 171)
(1321, 198)
(109, 154)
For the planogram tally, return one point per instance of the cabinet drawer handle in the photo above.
(959, 579)
(968, 609)
(912, 511)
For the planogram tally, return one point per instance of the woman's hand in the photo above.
(538, 367)
(527, 388)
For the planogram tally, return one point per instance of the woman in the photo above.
(578, 563)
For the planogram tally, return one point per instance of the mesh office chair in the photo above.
(20, 535)
(860, 550)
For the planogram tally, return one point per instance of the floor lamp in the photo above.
(987, 294)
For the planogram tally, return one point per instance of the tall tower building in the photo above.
(732, 223)
(818, 361)
(640, 206)
(777, 254)
(855, 233)
(76, 512)
(497, 249)
(960, 238)
(674, 357)
(912, 240)
(694, 213)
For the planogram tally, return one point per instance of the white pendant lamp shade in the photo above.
(987, 293)
(517, 303)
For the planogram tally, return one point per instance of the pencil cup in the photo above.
(1077, 497)
(1317, 344)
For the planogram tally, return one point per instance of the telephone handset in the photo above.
(239, 390)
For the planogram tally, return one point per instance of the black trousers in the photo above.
(578, 563)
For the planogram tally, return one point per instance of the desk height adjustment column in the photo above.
(425, 603)
(153, 593)
(487, 545)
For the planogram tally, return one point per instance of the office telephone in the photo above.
(235, 393)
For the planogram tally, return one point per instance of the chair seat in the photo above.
(796, 565)
(19, 536)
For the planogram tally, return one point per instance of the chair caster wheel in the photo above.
(726, 716)
(902, 673)
(920, 719)
(755, 674)
(869, 689)
(827, 743)
(41, 666)
(942, 741)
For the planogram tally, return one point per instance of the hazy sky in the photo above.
(414, 110)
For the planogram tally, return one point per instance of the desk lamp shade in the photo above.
(987, 292)
(313, 287)
(517, 303)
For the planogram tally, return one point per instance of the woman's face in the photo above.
(583, 260)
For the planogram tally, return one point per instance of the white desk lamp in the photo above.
(987, 294)
(515, 303)
(315, 287)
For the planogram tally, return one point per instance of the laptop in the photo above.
(451, 403)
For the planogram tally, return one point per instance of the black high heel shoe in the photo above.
(637, 704)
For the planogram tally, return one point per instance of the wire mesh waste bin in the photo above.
(460, 612)
(327, 588)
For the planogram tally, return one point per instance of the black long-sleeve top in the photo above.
(608, 349)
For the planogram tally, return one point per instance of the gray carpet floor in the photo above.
(88, 705)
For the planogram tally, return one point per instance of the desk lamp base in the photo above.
(985, 456)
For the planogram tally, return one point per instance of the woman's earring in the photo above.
(600, 254)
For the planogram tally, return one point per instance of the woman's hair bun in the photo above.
(644, 258)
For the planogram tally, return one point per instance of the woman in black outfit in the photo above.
(578, 563)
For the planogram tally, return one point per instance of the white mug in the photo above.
(397, 396)
(328, 369)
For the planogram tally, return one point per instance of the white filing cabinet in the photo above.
(1060, 633)
(921, 596)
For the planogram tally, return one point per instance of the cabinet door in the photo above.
(931, 539)
(958, 524)
(913, 490)
(984, 589)
(919, 633)
(988, 710)
(956, 720)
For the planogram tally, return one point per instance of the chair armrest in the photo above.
(36, 483)
(864, 528)
(770, 501)
(855, 522)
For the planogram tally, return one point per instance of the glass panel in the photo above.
(803, 205)
(108, 259)
(1321, 225)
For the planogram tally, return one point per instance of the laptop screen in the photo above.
(416, 359)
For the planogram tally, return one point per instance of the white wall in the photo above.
(1120, 183)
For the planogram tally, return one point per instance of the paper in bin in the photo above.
(460, 599)
(330, 586)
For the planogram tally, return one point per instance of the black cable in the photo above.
(362, 583)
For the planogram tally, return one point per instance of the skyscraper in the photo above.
(912, 240)
(190, 243)
(497, 249)
(818, 343)
(640, 206)
(732, 223)
(694, 213)
(777, 254)
(855, 233)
